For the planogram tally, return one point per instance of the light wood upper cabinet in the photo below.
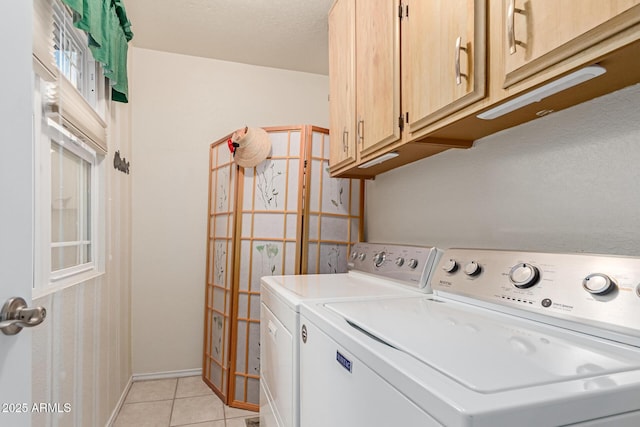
(364, 79)
(540, 33)
(460, 59)
(342, 83)
(377, 74)
(443, 58)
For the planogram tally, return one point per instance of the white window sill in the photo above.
(72, 281)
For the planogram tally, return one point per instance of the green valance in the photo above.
(109, 30)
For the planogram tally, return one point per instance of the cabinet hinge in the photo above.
(403, 11)
(401, 122)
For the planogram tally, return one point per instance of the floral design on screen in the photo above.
(222, 190)
(268, 253)
(267, 177)
(221, 259)
(336, 189)
(333, 258)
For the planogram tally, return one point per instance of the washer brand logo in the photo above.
(445, 283)
(304, 333)
(346, 363)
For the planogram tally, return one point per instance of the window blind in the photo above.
(43, 59)
(76, 114)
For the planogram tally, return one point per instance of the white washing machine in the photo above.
(375, 271)
(506, 339)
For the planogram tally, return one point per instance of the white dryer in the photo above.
(506, 339)
(375, 271)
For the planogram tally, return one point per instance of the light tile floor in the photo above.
(181, 402)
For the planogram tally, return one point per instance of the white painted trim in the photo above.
(116, 410)
(82, 279)
(167, 374)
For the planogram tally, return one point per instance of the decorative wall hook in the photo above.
(120, 163)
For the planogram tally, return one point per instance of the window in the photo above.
(72, 179)
(70, 140)
(68, 201)
(74, 60)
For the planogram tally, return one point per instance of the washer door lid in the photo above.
(483, 350)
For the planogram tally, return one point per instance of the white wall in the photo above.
(181, 104)
(81, 353)
(565, 182)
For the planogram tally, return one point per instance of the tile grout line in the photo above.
(173, 402)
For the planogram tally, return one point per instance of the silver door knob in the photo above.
(15, 315)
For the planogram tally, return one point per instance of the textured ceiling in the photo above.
(289, 34)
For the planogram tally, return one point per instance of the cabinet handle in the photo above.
(345, 140)
(459, 47)
(361, 131)
(511, 33)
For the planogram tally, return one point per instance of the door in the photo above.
(443, 54)
(16, 206)
(377, 74)
(539, 34)
(342, 84)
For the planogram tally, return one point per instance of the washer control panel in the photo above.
(598, 290)
(410, 264)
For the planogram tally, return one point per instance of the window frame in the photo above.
(56, 134)
(46, 130)
(91, 83)
(64, 115)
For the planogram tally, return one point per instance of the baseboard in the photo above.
(116, 410)
(167, 374)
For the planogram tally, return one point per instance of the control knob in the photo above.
(362, 256)
(472, 269)
(598, 284)
(354, 255)
(524, 275)
(379, 258)
(450, 266)
(413, 263)
(399, 261)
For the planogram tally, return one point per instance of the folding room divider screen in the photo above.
(285, 216)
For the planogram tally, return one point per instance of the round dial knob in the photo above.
(450, 266)
(362, 256)
(399, 261)
(524, 275)
(472, 269)
(378, 259)
(354, 255)
(598, 284)
(413, 263)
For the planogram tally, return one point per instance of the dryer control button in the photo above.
(413, 263)
(598, 284)
(524, 275)
(450, 266)
(472, 269)
(379, 259)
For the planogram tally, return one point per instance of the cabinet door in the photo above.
(541, 33)
(443, 54)
(342, 93)
(377, 74)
